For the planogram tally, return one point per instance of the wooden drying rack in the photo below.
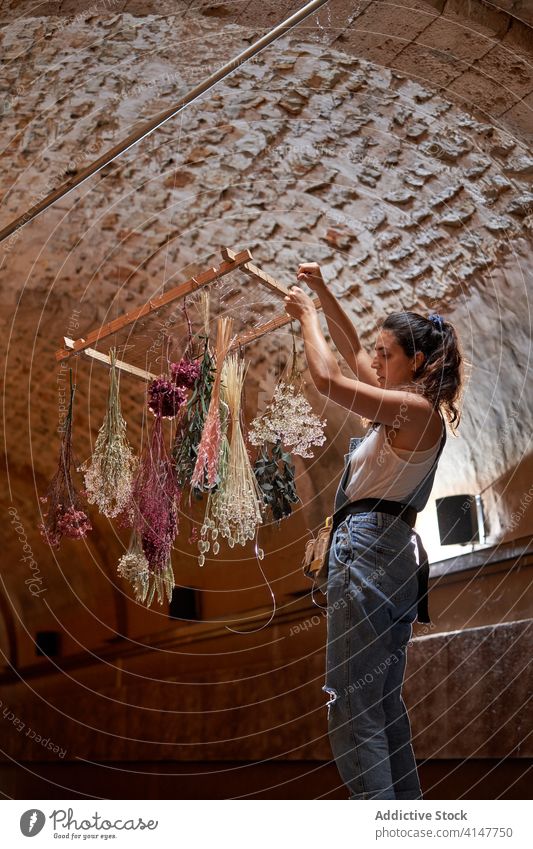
(232, 261)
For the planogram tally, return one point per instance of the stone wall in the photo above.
(393, 150)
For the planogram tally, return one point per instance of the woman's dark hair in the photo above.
(440, 376)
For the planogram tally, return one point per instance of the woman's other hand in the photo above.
(299, 305)
(310, 273)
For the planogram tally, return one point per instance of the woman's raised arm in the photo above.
(340, 326)
(371, 402)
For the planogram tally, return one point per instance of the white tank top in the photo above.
(380, 470)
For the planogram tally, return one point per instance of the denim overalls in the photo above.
(373, 596)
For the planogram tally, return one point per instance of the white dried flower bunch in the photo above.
(290, 418)
(133, 566)
(236, 507)
(109, 478)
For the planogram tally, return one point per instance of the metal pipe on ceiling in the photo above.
(148, 128)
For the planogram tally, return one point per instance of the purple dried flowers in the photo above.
(186, 372)
(154, 505)
(165, 398)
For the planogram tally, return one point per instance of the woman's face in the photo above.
(391, 364)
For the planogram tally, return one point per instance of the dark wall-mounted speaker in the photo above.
(457, 517)
(47, 643)
(185, 604)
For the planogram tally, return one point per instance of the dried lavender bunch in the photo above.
(109, 478)
(65, 515)
(204, 476)
(274, 473)
(192, 419)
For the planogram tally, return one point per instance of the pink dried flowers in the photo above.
(65, 516)
(205, 472)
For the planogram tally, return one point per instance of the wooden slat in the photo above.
(256, 273)
(191, 285)
(273, 324)
(120, 364)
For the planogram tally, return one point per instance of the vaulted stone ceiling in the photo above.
(389, 142)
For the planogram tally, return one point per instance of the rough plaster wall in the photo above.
(305, 153)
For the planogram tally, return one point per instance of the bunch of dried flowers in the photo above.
(192, 419)
(134, 567)
(186, 373)
(205, 472)
(65, 515)
(165, 398)
(153, 509)
(274, 473)
(289, 417)
(237, 505)
(109, 477)
(210, 524)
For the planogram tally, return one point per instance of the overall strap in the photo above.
(423, 561)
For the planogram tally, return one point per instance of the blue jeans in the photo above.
(371, 605)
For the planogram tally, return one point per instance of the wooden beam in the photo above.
(256, 273)
(273, 324)
(155, 304)
(92, 353)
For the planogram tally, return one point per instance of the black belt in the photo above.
(408, 514)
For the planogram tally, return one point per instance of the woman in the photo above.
(376, 588)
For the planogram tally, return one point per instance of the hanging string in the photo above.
(145, 405)
(294, 374)
(274, 608)
(189, 330)
(316, 603)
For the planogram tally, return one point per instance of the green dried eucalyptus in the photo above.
(274, 473)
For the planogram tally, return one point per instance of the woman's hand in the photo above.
(299, 305)
(310, 273)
